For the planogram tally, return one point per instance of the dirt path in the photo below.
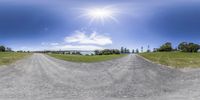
(41, 77)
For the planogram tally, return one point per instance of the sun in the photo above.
(100, 14)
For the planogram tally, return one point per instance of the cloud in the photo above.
(81, 41)
(77, 47)
(94, 38)
(59, 46)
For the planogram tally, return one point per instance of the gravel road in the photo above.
(41, 77)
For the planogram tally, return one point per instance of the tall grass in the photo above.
(10, 57)
(175, 59)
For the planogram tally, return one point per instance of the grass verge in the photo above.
(174, 59)
(10, 57)
(81, 58)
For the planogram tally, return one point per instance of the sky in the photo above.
(97, 24)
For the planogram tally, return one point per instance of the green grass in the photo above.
(81, 58)
(10, 57)
(174, 59)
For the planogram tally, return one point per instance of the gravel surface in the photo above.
(41, 77)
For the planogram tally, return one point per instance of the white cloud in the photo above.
(81, 41)
(76, 47)
(94, 38)
(59, 46)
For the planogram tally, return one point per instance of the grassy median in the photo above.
(81, 58)
(10, 57)
(174, 59)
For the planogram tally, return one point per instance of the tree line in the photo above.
(112, 51)
(5, 49)
(183, 46)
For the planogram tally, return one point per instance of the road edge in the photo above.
(155, 62)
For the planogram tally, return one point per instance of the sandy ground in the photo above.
(41, 77)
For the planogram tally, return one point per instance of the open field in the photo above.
(81, 58)
(10, 57)
(174, 59)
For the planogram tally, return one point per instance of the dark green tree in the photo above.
(148, 49)
(122, 49)
(188, 47)
(2, 49)
(137, 51)
(133, 51)
(166, 47)
(142, 49)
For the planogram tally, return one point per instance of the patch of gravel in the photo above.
(41, 77)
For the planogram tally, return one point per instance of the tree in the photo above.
(166, 47)
(188, 47)
(8, 49)
(116, 51)
(148, 49)
(127, 51)
(75, 53)
(142, 49)
(122, 49)
(137, 51)
(107, 52)
(155, 49)
(183, 46)
(2, 49)
(133, 51)
(97, 52)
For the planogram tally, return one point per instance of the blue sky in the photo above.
(66, 25)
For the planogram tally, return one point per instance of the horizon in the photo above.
(84, 25)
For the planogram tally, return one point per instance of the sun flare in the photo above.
(100, 14)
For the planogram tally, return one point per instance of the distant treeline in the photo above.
(107, 52)
(112, 51)
(166, 47)
(75, 52)
(5, 49)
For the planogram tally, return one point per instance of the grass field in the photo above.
(174, 59)
(10, 57)
(81, 58)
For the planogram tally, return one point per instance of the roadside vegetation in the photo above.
(7, 55)
(174, 59)
(10, 57)
(87, 58)
(95, 56)
(185, 55)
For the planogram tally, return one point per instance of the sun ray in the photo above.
(100, 14)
